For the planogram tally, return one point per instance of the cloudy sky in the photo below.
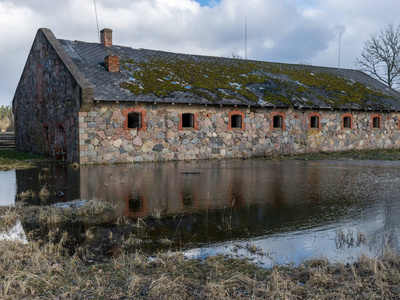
(290, 31)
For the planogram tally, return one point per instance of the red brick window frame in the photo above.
(376, 121)
(238, 117)
(142, 113)
(278, 120)
(347, 121)
(314, 121)
(194, 124)
(137, 212)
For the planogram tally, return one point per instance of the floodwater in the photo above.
(273, 212)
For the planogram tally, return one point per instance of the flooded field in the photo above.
(269, 211)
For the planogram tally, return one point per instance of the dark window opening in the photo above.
(236, 121)
(135, 120)
(278, 121)
(60, 144)
(187, 120)
(346, 122)
(314, 120)
(135, 204)
(376, 122)
(187, 199)
(46, 132)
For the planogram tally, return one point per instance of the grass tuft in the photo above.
(27, 194)
(44, 193)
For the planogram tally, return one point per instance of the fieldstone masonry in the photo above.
(102, 138)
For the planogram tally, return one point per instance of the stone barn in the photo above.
(100, 103)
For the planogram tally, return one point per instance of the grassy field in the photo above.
(44, 269)
(381, 154)
(13, 159)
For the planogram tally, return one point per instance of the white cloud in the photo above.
(278, 30)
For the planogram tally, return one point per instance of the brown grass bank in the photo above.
(37, 271)
(43, 269)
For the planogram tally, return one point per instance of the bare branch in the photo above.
(381, 56)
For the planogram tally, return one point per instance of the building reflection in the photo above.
(259, 196)
(135, 206)
(216, 201)
(140, 190)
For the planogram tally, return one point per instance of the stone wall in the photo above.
(45, 104)
(103, 138)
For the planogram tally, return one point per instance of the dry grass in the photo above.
(44, 270)
(27, 194)
(8, 217)
(349, 238)
(12, 159)
(94, 207)
(75, 165)
(44, 193)
(52, 215)
(252, 248)
(39, 271)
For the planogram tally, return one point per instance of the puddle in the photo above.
(271, 212)
(8, 188)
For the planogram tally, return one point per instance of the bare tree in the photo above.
(381, 55)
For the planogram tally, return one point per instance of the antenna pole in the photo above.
(245, 38)
(340, 37)
(97, 21)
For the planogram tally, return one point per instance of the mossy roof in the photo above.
(157, 76)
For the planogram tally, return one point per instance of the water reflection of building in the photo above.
(254, 191)
(62, 182)
(135, 206)
(217, 200)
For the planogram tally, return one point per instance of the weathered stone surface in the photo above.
(161, 135)
(137, 141)
(118, 143)
(158, 148)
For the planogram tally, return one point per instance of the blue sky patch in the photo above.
(210, 3)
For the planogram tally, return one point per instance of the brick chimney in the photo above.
(111, 62)
(106, 37)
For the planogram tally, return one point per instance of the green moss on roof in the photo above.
(218, 78)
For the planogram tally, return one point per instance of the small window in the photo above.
(46, 132)
(236, 121)
(376, 122)
(277, 121)
(346, 122)
(314, 122)
(135, 120)
(187, 120)
(135, 204)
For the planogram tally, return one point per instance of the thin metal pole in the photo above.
(245, 38)
(340, 37)
(97, 21)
